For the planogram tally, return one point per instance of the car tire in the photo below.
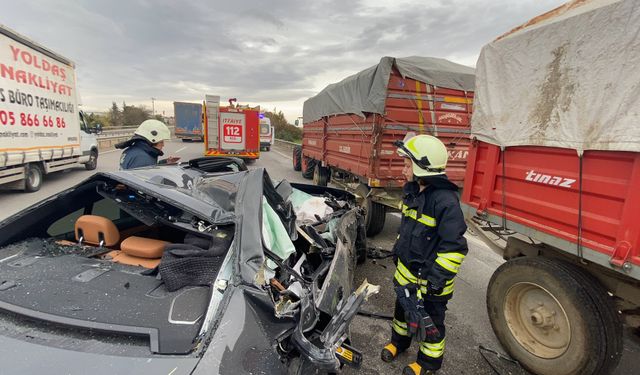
(308, 166)
(321, 175)
(33, 178)
(375, 213)
(297, 158)
(93, 161)
(530, 300)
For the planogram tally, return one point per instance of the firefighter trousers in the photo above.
(431, 352)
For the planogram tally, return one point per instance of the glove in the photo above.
(427, 330)
(419, 323)
(408, 300)
(433, 289)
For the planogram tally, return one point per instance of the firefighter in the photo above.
(428, 251)
(144, 148)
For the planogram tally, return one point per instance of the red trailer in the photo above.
(350, 127)
(231, 131)
(552, 183)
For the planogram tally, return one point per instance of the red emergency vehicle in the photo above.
(231, 131)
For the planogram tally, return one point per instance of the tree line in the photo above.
(283, 129)
(129, 115)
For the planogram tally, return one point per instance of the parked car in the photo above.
(205, 267)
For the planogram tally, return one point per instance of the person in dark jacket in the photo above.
(144, 148)
(429, 251)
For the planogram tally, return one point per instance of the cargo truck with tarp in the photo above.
(231, 130)
(41, 127)
(350, 127)
(188, 121)
(552, 183)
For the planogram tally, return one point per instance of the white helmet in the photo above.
(427, 153)
(154, 131)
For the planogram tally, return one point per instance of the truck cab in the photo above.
(88, 143)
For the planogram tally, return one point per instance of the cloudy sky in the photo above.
(268, 52)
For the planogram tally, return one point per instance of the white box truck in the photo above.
(41, 128)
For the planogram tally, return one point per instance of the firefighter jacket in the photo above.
(138, 153)
(431, 246)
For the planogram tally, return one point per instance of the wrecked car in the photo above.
(202, 268)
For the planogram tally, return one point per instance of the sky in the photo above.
(267, 52)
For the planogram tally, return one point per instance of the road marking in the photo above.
(106, 152)
(280, 153)
(181, 149)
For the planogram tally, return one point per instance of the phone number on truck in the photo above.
(24, 119)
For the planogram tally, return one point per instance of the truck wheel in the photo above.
(308, 165)
(546, 318)
(321, 175)
(297, 158)
(612, 323)
(93, 161)
(375, 213)
(34, 176)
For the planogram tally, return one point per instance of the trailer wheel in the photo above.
(545, 317)
(612, 323)
(93, 161)
(321, 175)
(297, 158)
(34, 176)
(308, 165)
(375, 213)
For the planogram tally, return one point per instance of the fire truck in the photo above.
(231, 131)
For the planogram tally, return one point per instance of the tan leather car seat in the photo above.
(97, 231)
(139, 251)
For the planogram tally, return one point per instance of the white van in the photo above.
(267, 133)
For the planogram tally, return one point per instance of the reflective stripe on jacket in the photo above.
(431, 244)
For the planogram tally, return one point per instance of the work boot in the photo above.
(389, 352)
(416, 369)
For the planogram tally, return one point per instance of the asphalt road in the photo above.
(467, 322)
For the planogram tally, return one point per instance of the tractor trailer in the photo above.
(552, 184)
(350, 127)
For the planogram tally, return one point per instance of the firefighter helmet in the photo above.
(427, 153)
(154, 131)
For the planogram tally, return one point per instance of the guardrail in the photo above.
(111, 132)
(285, 144)
(107, 139)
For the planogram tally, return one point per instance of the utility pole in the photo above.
(153, 106)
